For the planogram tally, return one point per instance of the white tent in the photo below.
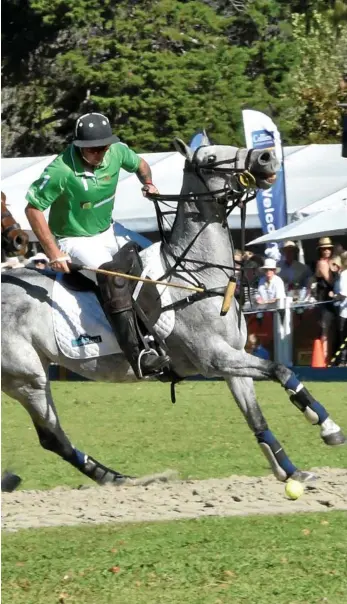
(331, 221)
(331, 201)
(313, 173)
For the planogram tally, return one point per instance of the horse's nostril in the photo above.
(265, 157)
(211, 159)
(18, 242)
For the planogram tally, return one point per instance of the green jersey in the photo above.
(81, 201)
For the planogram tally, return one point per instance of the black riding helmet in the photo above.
(93, 130)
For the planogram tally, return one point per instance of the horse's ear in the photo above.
(183, 149)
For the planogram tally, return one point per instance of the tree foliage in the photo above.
(160, 68)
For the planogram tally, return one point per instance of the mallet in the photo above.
(80, 267)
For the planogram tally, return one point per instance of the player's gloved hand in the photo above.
(149, 188)
(60, 264)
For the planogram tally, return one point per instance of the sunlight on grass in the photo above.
(254, 560)
(135, 429)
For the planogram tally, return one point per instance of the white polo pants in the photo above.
(95, 250)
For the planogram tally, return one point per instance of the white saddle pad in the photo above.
(80, 325)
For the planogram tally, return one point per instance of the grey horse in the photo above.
(203, 341)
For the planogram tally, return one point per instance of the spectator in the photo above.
(11, 263)
(335, 267)
(252, 277)
(238, 261)
(295, 274)
(39, 261)
(271, 287)
(340, 295)
(256, 348)
(338, 249)
(324, 287)
(247, 255)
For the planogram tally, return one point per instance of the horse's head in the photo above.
(225, 170)
(14, 241)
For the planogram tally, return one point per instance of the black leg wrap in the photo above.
(302, 399)
(100, 473)
(313, 410)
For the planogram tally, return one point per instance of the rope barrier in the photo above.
(337, 354)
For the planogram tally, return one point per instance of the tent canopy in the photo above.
(332, 221)
(313, 173)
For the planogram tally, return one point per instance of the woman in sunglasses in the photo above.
(79, 189)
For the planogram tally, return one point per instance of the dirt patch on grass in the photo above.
(170, 499)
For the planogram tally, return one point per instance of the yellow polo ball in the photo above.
(294, 489)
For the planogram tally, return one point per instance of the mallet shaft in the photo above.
(142, 279)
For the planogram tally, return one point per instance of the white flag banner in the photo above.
(262, 133)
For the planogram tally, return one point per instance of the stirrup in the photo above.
(142, 354)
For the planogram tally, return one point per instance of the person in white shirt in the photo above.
(39, 261)
(271, 287)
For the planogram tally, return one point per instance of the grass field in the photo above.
(136, 429)
(296, 559)
(256, 560)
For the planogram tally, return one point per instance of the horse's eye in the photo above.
(211, 159)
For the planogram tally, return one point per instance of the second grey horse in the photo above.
(203, 340)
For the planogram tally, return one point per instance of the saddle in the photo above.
(78, 315)
(147, 305)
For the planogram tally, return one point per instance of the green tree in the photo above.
(314, 89)
(162, 68)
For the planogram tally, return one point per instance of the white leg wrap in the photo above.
(312, 416)
(329, 427)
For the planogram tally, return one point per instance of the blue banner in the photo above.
(196, 141)
(272, 202)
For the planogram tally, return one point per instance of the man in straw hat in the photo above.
(293, 272)
(271, 286)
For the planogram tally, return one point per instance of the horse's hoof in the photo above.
(114, 478)
(122, 479)
(302, 476)
(335, 439)
(9, 482)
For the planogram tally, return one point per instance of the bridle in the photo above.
(246, 180)
(228, 195)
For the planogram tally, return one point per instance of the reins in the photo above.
(226, 195)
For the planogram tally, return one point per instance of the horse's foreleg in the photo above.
(244, 394)
(235, 363)
(35, 395)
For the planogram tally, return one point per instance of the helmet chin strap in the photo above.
(88, 162)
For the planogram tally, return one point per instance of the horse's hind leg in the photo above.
(244, 394)
(34, 393)
(235, 363)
